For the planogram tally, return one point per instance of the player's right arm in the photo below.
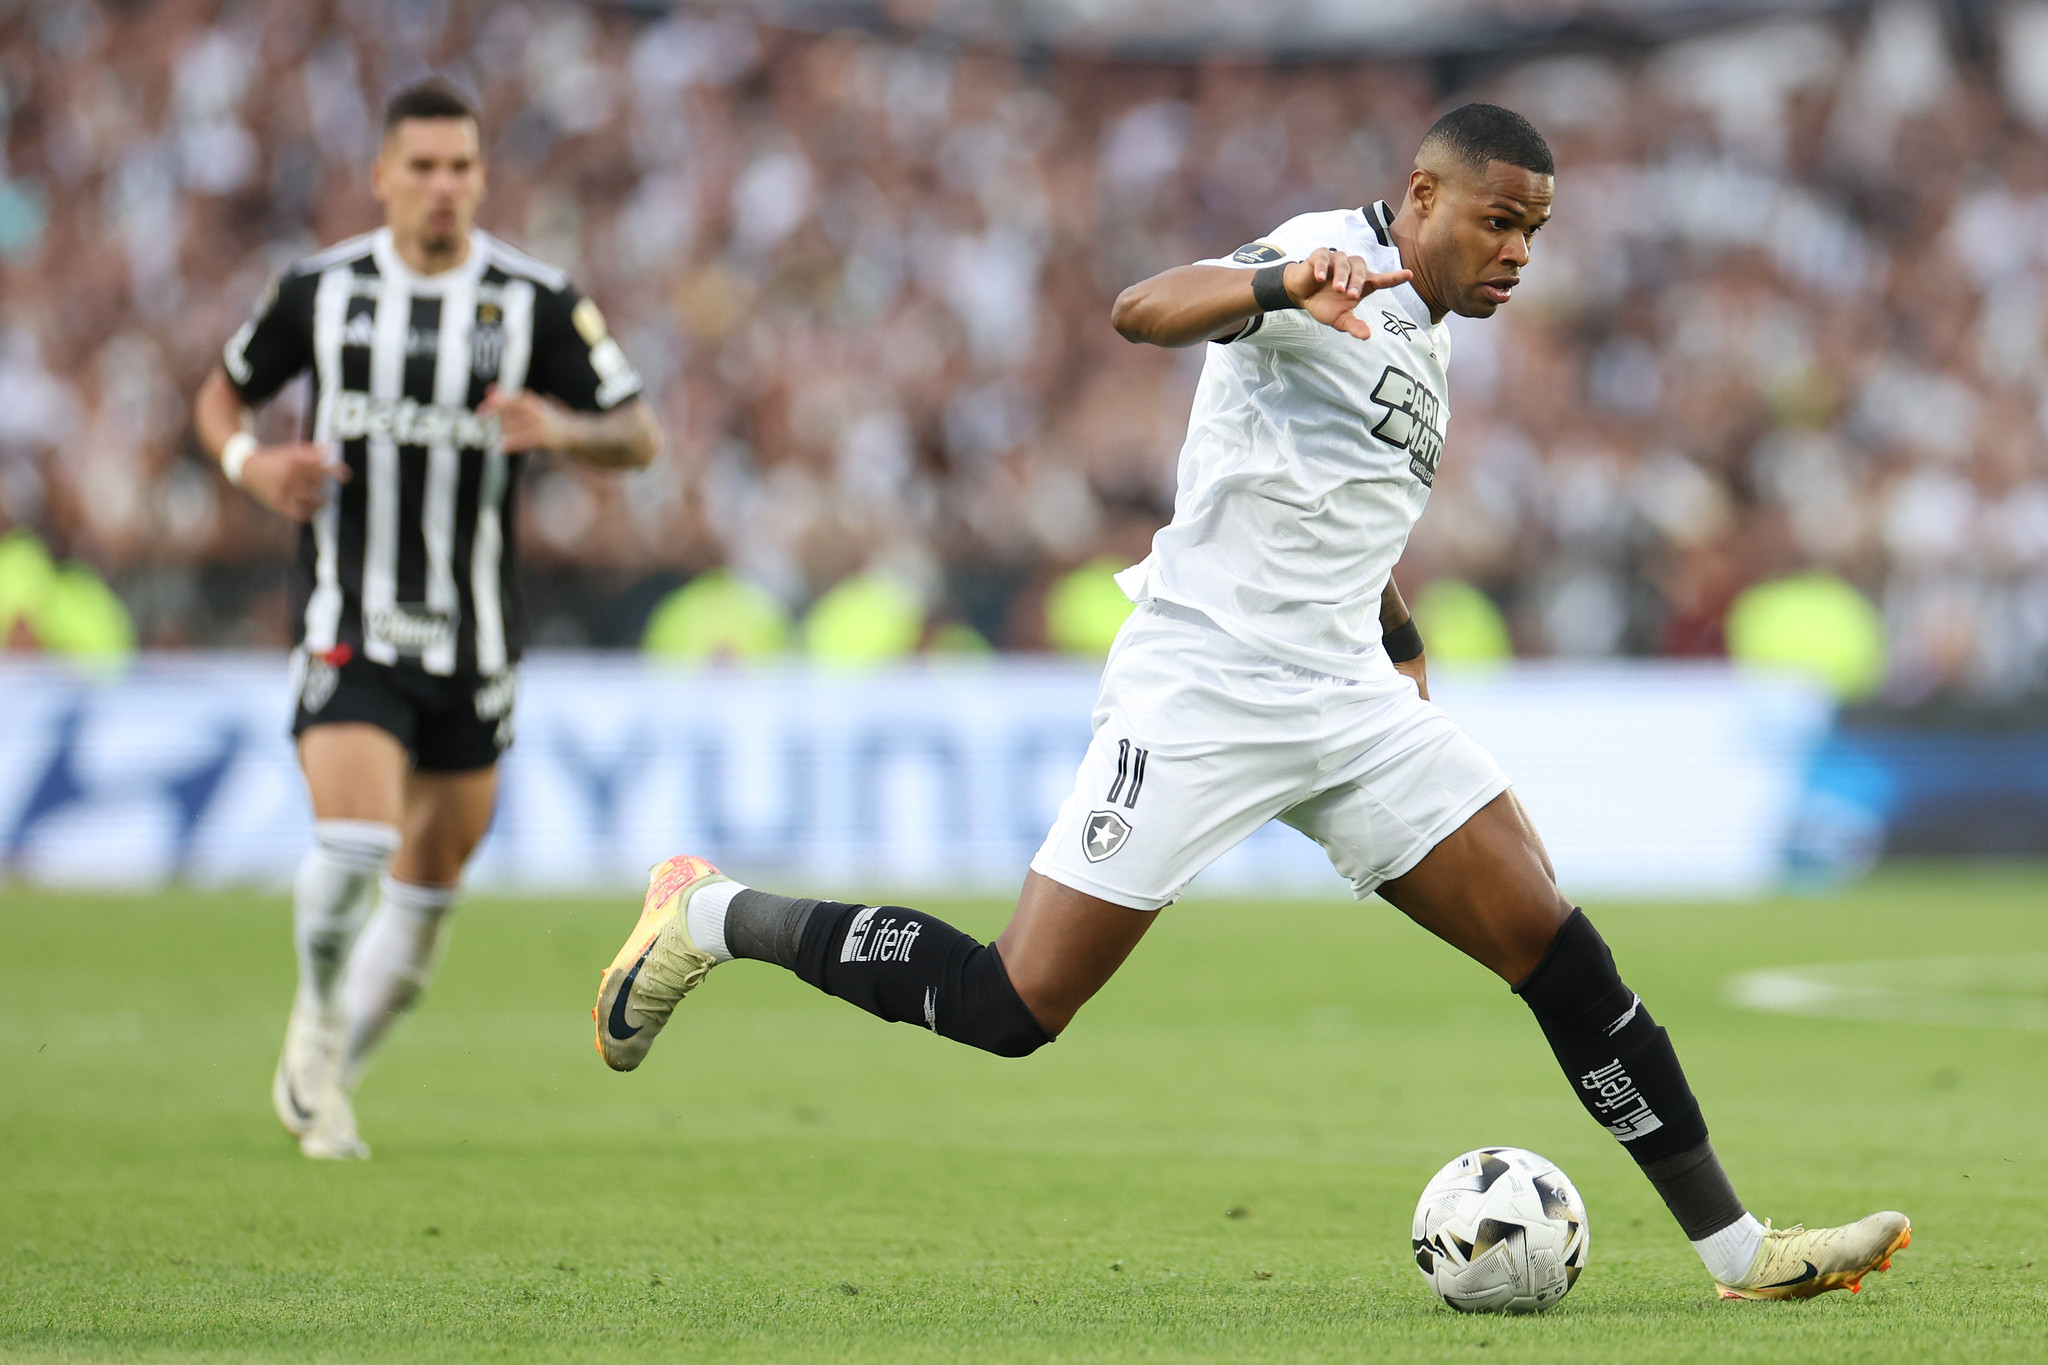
(271, 348)
(1192, 303)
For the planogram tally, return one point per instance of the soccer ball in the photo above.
(1500, 1230)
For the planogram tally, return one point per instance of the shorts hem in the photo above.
(304, 722)
(1088, 886)
(1442, 830)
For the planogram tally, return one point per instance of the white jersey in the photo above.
(1309, 456)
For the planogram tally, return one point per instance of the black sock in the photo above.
(1626, 1073)
(767, 927)
(1696, 1190)
(896, 963)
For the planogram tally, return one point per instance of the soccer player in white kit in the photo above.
(1270, 671)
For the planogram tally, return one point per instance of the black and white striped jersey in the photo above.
(411, 562)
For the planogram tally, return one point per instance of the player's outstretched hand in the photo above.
(1330, 283)
(527, 420)
(293, 479)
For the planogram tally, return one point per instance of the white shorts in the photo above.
(1200, 740)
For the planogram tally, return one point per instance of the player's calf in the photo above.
(910, 967)
(898, 964)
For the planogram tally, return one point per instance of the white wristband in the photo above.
(235, 454)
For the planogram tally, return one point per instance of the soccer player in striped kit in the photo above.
(438, 354)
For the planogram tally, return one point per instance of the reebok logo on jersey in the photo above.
(1395, 323)
(1615, 1095)
(1414, 421)
(888, 942)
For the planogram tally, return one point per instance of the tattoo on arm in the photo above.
(621, 439)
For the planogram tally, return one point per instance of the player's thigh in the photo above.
(1487, 890)
(446, 817)
(1404, 777)
(1062, 945)
(1424, 817)
(354, 770)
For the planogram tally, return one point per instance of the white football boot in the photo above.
(332, 1135)
(310, 1043)
(656, 968)
(1794, 1263)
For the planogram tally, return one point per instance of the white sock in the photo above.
(332, 894)
(705, 919)
(1730, 1252)
(394, 958)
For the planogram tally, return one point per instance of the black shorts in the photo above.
(448, 725)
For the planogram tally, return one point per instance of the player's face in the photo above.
(429, 178)
(1478, 234)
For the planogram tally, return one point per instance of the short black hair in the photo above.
(427, 99)
(1479, 133)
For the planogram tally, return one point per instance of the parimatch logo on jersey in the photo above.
(1414, 421)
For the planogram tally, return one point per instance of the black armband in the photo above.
(1269, 289)
(1403, 642)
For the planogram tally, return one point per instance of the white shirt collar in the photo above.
(391, 264)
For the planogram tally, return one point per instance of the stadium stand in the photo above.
(1787, 320)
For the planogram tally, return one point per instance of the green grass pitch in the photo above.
(1218, 1163)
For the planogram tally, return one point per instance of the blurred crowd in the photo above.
(1787, 318)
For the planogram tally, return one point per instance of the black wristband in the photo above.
(1269, 289)
(1403, 642)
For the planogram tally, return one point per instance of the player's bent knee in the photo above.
(989, 1014)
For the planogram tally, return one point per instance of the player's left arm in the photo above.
(582, 397)
(627, 437)
(1397, 630)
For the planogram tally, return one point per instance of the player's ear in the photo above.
(1422, 191)
(377, 189)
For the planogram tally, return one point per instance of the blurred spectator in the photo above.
(1788, 316)
(61, 609)
(716, 616)
(1811, 623)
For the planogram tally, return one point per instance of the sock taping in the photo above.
(767, 927)
(1697, 1191)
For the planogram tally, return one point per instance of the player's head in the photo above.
(429, 174)
(1481, 187)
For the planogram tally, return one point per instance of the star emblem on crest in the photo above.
(1104, 835)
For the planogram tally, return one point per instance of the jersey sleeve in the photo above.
(575, 358)
(1294, 240)
(275, 344)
